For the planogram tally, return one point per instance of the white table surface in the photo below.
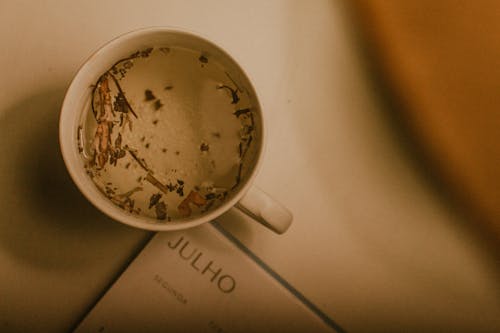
(374, 244)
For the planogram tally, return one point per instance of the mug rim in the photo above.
(68, 128)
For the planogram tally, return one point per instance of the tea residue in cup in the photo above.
(168, 134)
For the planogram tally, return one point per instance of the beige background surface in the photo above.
(373, 243)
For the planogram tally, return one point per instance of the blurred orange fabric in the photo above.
(441, 59)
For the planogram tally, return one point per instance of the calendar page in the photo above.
(202, 280)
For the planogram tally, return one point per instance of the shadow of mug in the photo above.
(43, 217)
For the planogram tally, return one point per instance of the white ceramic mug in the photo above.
(248, 198)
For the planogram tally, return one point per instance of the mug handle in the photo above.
(264, 209)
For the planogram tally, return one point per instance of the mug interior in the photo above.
(79, 96)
